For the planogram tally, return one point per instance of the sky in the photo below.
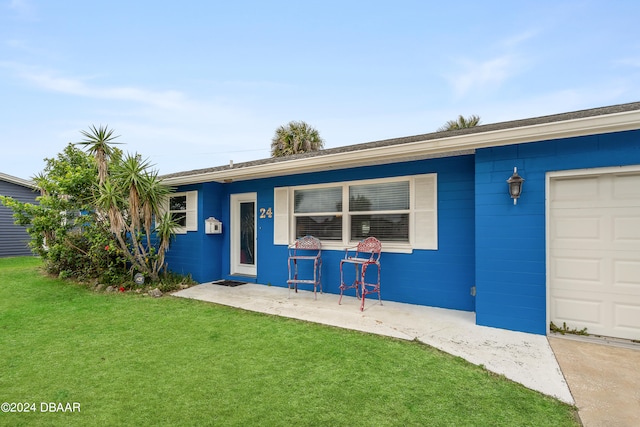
(196, 84)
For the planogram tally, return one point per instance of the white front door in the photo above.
(594, 252)
(243, 234)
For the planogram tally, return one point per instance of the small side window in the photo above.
(178, 209)
(183, 208)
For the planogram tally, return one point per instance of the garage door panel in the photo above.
(574, 311)
(573, 189)
(580, 290)
(573, 227)
(627, 228)
(619, 320)
(594, 253)
(626, 274)
(627, 318)
(578, 269)
(626, 187)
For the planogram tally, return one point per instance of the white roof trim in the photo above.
(454, 145)
(17, 181)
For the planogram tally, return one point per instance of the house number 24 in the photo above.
(266, 213)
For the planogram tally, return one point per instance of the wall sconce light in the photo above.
(515, 185)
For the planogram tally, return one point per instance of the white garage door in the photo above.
(594, 253)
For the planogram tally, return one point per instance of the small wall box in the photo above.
(212, 226)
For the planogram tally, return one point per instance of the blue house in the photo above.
(566, 251)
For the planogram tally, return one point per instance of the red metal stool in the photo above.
(367, 253)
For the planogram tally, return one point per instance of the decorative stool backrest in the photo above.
(370, 245)
(306, 243)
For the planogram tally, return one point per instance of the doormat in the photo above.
(230, 283)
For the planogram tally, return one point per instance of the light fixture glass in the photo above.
(515, 185)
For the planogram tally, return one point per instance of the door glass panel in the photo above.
(247, 233)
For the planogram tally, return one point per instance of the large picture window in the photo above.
(401, 212)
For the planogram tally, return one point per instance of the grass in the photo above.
(134, 360)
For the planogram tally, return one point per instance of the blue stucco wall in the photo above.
(196, 252)
(484, 240)
(510, 240)
(441, 278)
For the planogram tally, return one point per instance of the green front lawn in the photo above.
(133, 360)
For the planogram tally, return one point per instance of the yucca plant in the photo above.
(130, 195)
(98, 141)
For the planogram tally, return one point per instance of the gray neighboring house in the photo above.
(14, 238)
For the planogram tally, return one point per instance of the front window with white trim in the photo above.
(183, 208)
(380, 210)
(318, 212)
(401, 212)
(178, 209)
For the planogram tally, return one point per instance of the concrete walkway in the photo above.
(525, 358)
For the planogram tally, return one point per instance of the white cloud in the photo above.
(493, 72)
(172, 127)
(514, 41)
(49, 81)
(163, 106)
(482, 75)
(163, 99)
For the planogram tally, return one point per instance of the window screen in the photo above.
(380, 210)
(317, 212)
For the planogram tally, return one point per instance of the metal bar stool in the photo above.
(367, 253)
(307, 248)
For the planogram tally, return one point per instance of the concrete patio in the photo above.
(525, 358)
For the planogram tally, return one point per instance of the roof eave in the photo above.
(17, 181)
(461, 144)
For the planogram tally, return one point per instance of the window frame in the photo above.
(337, 213)
(419, 188)
(184, 211)
(403, 211)
(191, 210)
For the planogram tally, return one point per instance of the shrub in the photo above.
(96, 213)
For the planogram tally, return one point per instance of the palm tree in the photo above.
(461, 123)
(97, 141)
(295, 138)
